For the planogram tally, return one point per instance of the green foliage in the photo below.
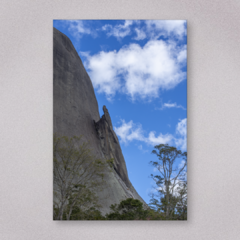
(181, 205)
(155, 215)
(169, 202)
(129, 209)
(110, 162)
(80, 214)
(89, 214)
(76, 174)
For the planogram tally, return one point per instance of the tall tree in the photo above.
(76, 173)
(170, 180)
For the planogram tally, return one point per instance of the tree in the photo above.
(182, 201)
(76, 174)
(129, 209)
(89, 214)
(171, 182)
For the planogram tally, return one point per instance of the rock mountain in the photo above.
(75, 113)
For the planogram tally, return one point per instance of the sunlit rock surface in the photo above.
(75, 113)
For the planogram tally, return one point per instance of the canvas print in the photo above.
(120, 120)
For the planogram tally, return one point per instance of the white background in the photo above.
(26, 119)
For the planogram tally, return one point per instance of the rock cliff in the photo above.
(75, 113)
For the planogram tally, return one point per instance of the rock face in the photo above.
(110, 145)
(75, 113)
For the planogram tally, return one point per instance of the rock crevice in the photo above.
(110, 145)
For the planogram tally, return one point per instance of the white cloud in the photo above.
(131, 131)
(182, 127)
(150, 28)
(171, 105)
(137, 71)
(103, 73)
(181, 130)
(182, 56)
(119, 31)
(160, 139)
(140, 34)
(77, 28)
(175, 187)
(158, 28)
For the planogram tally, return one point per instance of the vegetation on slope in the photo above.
(77, 173)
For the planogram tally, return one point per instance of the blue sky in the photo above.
(139, 71)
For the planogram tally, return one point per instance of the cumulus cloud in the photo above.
(171, 105)
(149, 28)
(182, 127)
(78, 28)
(174, 186)
(160, 139)
(140, 34)
(103, 72)
(181, 131)
(137, 71)
(158, 28)
(131, 131)
(182, 56)
(119, 31)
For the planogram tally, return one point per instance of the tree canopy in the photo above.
(77, 172)
(170, 195)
